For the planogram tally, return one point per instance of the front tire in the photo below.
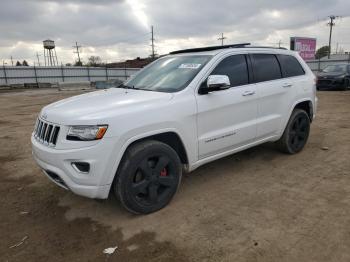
(296, 133)
(148, 178)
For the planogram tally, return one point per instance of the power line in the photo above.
(37, 57)
(331, 24)
(77, 47)
(152, 41)
(222, 38)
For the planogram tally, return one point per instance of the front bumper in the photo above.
(330, 83)
(57, 165)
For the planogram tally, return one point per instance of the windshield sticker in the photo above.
(190, 66)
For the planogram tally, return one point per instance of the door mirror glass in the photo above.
(216, 83)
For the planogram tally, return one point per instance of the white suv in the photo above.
(180, 112)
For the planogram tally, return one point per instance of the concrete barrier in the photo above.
(73, 86)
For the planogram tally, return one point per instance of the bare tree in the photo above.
(94, 61)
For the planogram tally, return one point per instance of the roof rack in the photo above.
(211, 48)
(268, 47)
(208, 48)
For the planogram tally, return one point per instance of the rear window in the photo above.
(290, 66)
(266, 67)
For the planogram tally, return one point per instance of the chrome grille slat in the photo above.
(43, 132)
(51, 135)
(46, 133)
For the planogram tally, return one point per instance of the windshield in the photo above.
(168, 74)
(335, 69)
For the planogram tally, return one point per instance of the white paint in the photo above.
(210, 126)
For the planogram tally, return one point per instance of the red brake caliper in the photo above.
(163, 172)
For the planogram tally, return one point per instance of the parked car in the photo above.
(334, 77)
(180, 112)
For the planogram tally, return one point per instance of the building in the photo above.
(134, 63)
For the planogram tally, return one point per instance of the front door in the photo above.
(226, 119)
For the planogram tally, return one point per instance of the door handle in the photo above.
(286, 85)
(248, 93)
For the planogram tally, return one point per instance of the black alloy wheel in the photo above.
(299, 132)
(296, 132)
(148, 178)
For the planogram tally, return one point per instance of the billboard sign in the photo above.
(305, 46)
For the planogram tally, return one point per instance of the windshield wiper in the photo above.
(125, 86)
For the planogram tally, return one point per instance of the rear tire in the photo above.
(296, 133)
(148, 178)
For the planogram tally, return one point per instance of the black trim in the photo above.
(211, 48)
(208, 48)
(250, 68)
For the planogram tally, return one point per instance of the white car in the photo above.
(180, 112)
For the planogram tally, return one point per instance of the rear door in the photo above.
(275, 94)
(226, 119)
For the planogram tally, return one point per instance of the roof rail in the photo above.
(268, 47)
(208, 48)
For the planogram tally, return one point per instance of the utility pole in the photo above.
(11, 61)
(222, 38)
(152, 41)
(331, 24)
(77, 47)
(37, 56)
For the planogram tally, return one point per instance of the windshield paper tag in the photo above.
(190, 66)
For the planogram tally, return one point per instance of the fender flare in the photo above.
(293, 107)
(133, 139)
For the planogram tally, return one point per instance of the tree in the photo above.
(25, 63)
(78, 63)
(95, 61)
(68, 64)
(322, 51)
(18, 63)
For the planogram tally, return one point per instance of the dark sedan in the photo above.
(334, 77)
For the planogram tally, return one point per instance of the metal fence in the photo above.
(12, 75)
(318, 65)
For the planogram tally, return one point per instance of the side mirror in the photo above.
(215, 83)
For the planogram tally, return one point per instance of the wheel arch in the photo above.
(305, 105)
(168, 136)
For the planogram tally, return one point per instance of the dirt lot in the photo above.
(258, 205)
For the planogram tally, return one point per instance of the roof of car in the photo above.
(213, 50)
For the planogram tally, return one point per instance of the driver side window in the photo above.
(235, 67)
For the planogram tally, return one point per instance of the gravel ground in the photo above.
(257, 205)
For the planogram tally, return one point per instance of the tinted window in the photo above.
(266, 67)
(235, 67)
(290, 66)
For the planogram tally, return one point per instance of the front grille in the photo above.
(46, 133)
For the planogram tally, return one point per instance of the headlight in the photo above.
(86, 133)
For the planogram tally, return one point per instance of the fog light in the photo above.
(81, 167)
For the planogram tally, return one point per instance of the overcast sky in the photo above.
(120, 29)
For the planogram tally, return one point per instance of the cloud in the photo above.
(119, 29)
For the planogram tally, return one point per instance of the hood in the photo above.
(331, 74)
(96, 107)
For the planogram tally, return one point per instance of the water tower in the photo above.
(50, 55)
